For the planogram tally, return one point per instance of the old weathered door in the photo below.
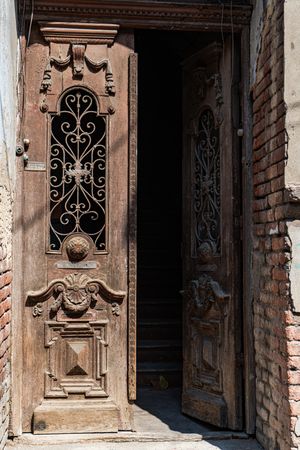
(211, 367)
(75, 229)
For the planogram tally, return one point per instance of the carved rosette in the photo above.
(77, 248)
(75, 294)
(203, 293)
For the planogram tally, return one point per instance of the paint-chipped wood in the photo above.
(212, 299)
(74, 294)
(249, 361)
(132, 226)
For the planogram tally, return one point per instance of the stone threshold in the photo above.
(123, 436)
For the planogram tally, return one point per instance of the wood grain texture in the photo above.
(247, 182)
(75, 324)
(211, 270)
(132, 226)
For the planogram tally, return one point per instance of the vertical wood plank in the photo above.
(249, 362)
(15, 426)
(132, 226)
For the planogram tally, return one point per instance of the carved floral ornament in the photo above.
(75, 293)
(204, 292)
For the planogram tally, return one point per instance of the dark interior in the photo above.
(159, 303)
(159, 212)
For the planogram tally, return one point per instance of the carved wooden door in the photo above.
(211, 372)
(75, 224)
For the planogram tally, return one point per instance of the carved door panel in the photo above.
(75, 225)
(211, 373)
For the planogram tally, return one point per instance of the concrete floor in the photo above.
(159, 425)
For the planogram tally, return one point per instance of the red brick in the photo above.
(280, 274)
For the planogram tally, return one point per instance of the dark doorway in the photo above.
(159, 274)
(159, 302)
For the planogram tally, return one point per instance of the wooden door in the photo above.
(211, 262)
(76, 193)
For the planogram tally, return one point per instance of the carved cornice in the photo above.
(85, 33)
(141, 14)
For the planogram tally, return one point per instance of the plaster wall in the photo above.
(292, 102)
(8, 120)
(8, 114)
(292, 94)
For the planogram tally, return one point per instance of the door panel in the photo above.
(75, 214)
(212, 378)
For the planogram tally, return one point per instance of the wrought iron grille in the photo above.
(207, 184)
(78, 151)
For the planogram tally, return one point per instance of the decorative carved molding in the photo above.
(206, 251)
(115, 309)
(78, 52)
(79, 33)
(216, 80)
(149, 13)
(37, 310)
(77, 356)
(205, 370)
(77, 57)
(203, 293)
(202, 74)
(133, 63)
(75, 293)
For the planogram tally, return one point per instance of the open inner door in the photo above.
(195, 103)
(211, 363)
(75, 228)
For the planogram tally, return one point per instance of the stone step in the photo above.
(159, 351)
(158, 329)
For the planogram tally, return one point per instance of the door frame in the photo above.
(164, 16)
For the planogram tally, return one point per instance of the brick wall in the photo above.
(5, 317)
(5, 302)
(273, 331)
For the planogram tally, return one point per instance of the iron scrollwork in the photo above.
(78, 169)
(206, 187)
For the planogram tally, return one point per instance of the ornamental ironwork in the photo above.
(78, 152)
(206, 185)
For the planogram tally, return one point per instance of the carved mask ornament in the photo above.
(203, 293)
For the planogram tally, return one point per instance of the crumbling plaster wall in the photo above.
(8, 114)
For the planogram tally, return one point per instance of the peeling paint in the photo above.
(8, 115)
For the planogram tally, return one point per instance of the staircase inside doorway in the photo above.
(159, 303)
